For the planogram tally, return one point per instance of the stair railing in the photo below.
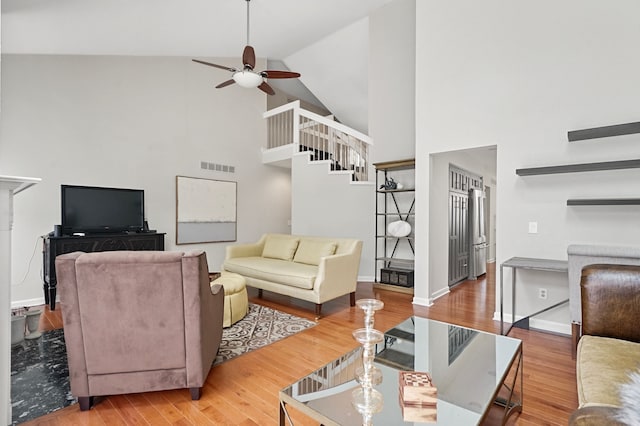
(325, 139)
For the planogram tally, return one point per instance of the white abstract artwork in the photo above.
(205, 210)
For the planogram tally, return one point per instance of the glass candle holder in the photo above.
(367, 402)
(369, 306)
(368, 375)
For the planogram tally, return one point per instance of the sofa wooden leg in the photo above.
(352, 298)
(318, 309)
(575, 336)
(85, 402)
(260, 293)
(195, 393)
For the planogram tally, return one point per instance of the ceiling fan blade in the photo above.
(266, 88)
(279, 74)
(215, 65)
(225, 84)
(249, 57)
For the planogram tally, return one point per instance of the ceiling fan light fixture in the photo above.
(247, 79)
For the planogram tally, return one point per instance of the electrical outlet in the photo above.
(533, 227)
(542, 293)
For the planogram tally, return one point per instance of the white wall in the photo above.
(133, 122)
(328, 204)
(520, 75)
(392, 96)
(326, 68)
(392, 46)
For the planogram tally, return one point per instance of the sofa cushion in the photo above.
(602, 365)
(280, 247)
(311, 251)
(294, 274)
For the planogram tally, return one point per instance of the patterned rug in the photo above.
(40, 375)
(262, 326)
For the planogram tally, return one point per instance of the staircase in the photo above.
(292, 129)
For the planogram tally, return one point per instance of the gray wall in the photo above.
(520, 75)
(133, 122)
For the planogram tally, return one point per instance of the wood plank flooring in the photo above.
(244, 391)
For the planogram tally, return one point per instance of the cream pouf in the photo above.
(236, 302)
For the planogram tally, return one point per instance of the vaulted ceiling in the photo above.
(214, 28)
(327, 41)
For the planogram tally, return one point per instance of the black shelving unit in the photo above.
(394, 271)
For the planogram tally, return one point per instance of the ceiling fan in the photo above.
(247, 77)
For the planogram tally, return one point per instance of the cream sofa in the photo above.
(315, 269)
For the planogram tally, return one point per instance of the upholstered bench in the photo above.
(236, 302)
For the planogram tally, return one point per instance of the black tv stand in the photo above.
(54, 246)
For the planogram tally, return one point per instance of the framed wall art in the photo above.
(205, 210)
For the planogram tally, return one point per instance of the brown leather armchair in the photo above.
(609, 346)
(138, 321)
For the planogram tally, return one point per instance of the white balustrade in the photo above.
(325, 139)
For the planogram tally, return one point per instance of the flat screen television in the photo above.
(90, 209)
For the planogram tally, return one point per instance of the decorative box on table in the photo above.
(418, 396)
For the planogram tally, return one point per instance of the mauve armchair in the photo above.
(138, 321)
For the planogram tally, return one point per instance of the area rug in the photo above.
(262, 326)
(40, 375)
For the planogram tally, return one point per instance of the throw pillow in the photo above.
(629, 413)
(280, 247)
(311, 252)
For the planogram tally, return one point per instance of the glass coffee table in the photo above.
(471, 369)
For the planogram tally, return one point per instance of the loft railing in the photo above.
(325, 139)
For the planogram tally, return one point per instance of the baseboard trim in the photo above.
(421, 301)
(438, 294)
(538, 324)
(27, 303)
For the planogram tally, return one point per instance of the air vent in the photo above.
(205, 165)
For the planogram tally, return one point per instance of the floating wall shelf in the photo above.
(585, 167)
(604, 132)
(604, 202)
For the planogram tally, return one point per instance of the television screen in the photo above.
(97, 210)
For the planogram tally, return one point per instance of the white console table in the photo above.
(9, 186)
(516, 263)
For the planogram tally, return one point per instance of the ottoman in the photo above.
(236, 302)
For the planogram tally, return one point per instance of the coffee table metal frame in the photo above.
(512, 403)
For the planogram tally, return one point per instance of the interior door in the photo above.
(458, 237)
(460, 181)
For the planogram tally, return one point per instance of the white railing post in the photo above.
(296, 126)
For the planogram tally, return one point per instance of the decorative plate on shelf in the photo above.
(399, 228)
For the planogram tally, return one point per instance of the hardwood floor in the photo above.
(244, 391)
